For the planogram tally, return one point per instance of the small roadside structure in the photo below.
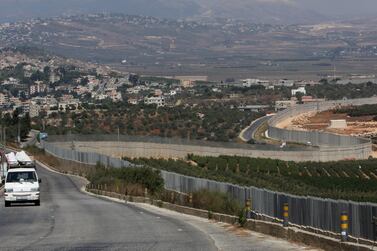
(338, 124)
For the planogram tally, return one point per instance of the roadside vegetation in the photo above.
(130, 181)
(133, 181)
(349, 180)
(11, 122)
(215, 202)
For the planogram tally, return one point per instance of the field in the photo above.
(361, 121)
(349, 180)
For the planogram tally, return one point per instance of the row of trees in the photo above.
(218, 123)
(13, 123)
(350, 180)
(356, 111)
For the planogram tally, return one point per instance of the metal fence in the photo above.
(314, 212)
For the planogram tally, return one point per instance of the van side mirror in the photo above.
(39, 181)
(3, 182)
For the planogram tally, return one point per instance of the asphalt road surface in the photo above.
(249, 133)
(70, 220)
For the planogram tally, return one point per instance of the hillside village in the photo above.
(59, 93)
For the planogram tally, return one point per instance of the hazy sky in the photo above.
(11, 10)
(339, 7)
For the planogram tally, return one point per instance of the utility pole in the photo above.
(19, 130)
(5, 136)
(2, 151)
(118, 135)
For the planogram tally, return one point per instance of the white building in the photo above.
(34, 109)
(284, 104)
(114, 95)
(54, 78)
(298, 90)
(11, 82)
(63, 106)
(159, 101)
(4, 99)
(286, 82)
(133, 101)
(253, 82)
(37, 87)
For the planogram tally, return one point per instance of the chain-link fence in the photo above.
(314, 212)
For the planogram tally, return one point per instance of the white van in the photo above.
(21, 185)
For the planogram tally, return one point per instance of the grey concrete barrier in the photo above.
(341, 146)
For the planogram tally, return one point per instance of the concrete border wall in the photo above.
(156, 150)
(346, 147)
(135, 149)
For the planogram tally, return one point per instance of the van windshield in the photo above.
(17, 176)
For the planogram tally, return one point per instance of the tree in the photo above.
(46, 73)
(37, 76)
(84, 81)
(134, 79)
(299, 96)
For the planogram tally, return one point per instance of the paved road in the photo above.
(70, 220)
(248, 134)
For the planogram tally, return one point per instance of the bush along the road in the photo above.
(215, 202)
(129, 181)
(132, 180)
(349, 180)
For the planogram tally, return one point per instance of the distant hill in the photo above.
(258, 11)
(275, 12)
(261, 11)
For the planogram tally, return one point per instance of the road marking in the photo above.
(180, 230)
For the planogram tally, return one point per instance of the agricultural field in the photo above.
(349, 180)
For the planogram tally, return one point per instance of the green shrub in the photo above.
(160, 203)
(215, 202)
(210, 215)
(242, 219)
(146, 177)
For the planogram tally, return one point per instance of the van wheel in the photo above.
(7, 204)
(37, 202)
